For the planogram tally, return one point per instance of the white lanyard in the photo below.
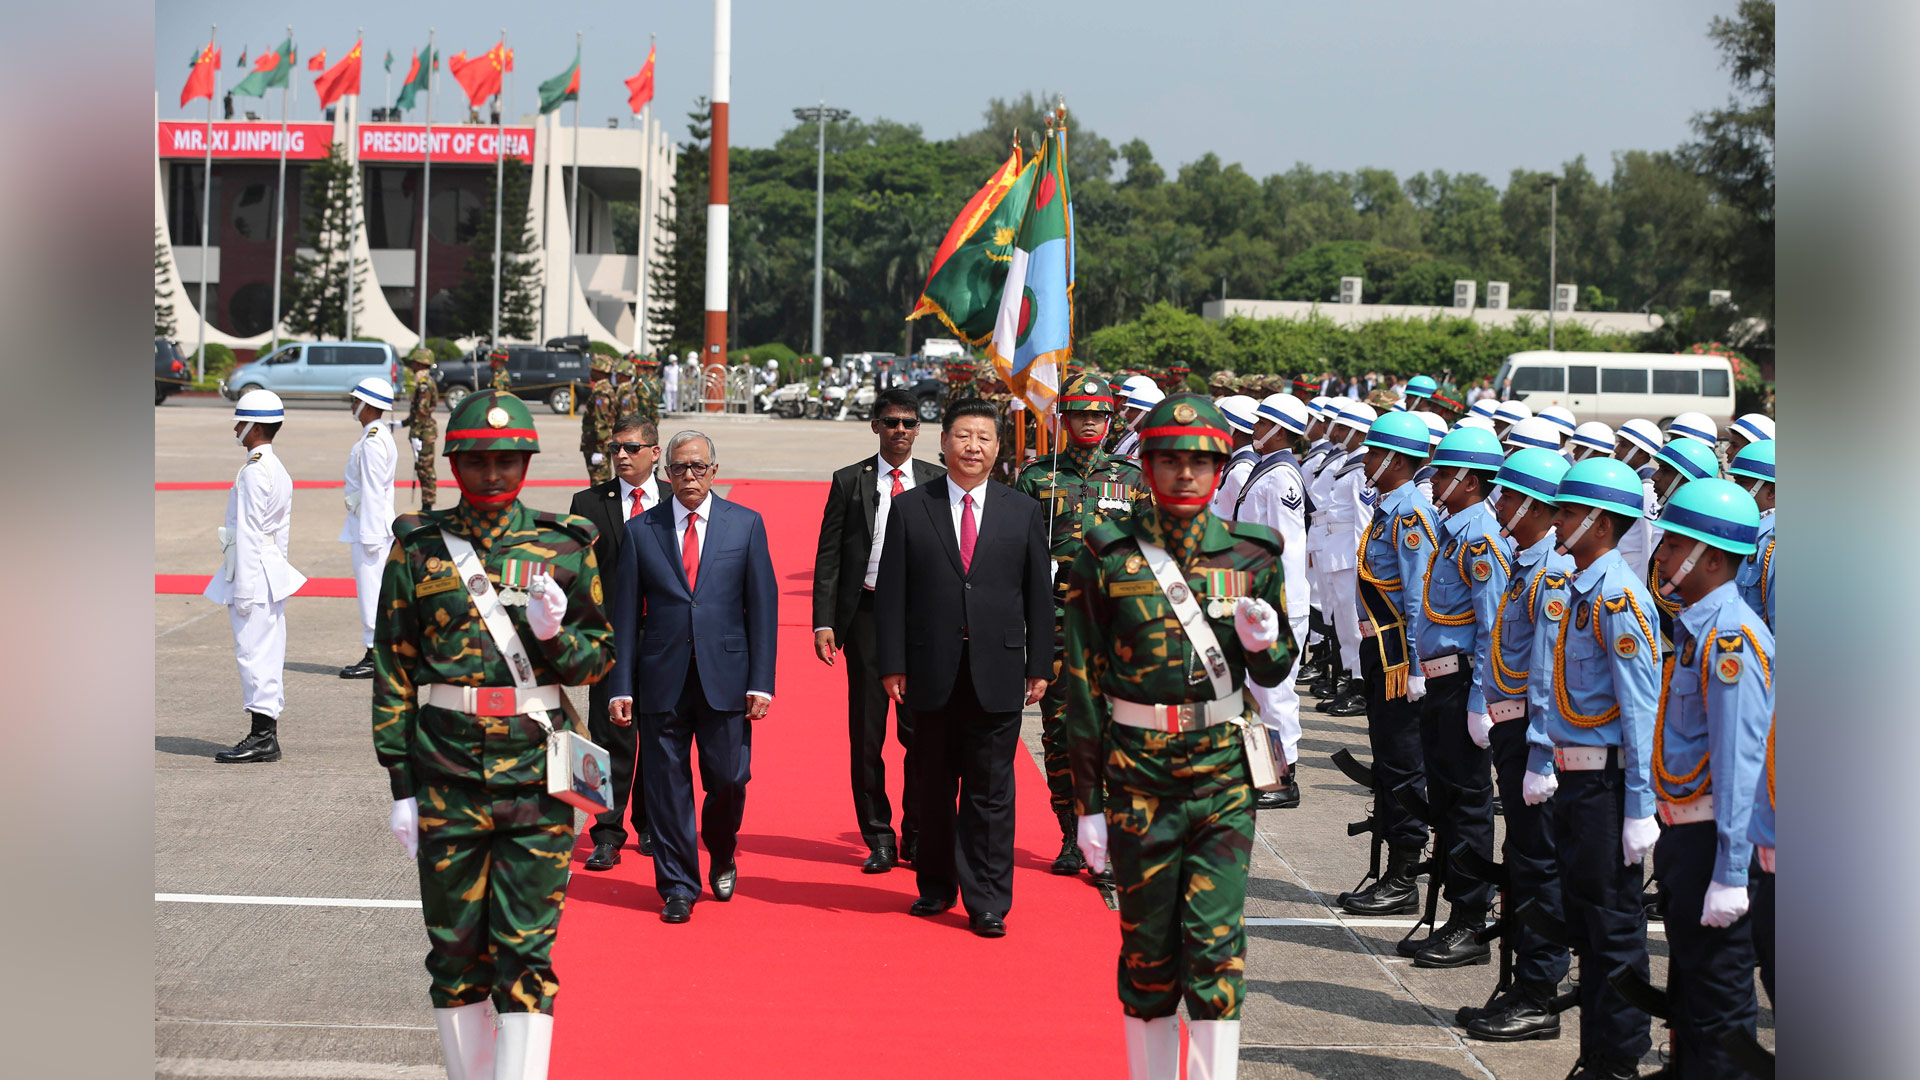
(1174, 586)
(486, 600)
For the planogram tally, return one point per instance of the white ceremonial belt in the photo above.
(1502, 711)
(1440, 665)
(1367, 630)
(1686, 813)
(1766, 858)
(491, 700)
(1582, 758)
(1190, 717)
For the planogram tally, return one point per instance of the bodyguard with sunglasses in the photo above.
(844, 572)
(632, 451)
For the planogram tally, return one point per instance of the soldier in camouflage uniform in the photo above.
(649, 390)
(462, 745)
(1154, 736)
(1081, 486)
(425, 432)
(498, 358)
(626, 392)
(596, 423)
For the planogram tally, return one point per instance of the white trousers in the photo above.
(1343, 599)
(1280, 705)
(260, 646)
(369, 562)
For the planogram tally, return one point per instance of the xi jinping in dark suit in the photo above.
(964, 618)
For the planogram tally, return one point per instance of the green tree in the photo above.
(678, 277)
(519, 271)
(1734, 154)
(316, 300)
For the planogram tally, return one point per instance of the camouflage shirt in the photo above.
(420, 412)
(501, 381)
(1123, 640)
(1087, 488)
(596, 426)
(649, 392)
(428, 631)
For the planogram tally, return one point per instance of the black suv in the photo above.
(535, 374)
(171, 372)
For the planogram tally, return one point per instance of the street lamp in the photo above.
(819, 114)
(1552, 184)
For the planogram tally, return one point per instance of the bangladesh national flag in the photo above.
(561, 88)
(417, 76)
(272, 69)
(1032, 333)
(963, 285)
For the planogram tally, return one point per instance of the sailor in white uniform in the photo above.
(368, 530)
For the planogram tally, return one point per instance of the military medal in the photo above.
(515, 578)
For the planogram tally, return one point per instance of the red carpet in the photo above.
(195, 584)
(815, 969)
(301, 485)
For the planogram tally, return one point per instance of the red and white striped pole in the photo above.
(714, 362)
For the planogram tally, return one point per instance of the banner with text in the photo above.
(460, 143)
(234, 140)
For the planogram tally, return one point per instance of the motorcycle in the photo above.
(833, 402)
(789, 401)
(860, 405)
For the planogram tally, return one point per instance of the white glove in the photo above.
(1725, 904)
(1092, 838)
(1256, 624)
(1480, 729)
(547, 608)
(1416, 687)
(597, 458)
(416, 443)
(1537, 788)
(404, 822)
(226, 537)
(1637, 837)
(353, 503)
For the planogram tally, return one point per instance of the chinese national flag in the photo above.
(200, 80)
(318, 62)
(640, 87)
(341, 79)
(479, 77)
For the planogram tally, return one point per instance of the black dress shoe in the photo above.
(1396, 893)
(361, 669)
(722, 881)
(927, 907)
(262, 744)
(880, 860)
(678, 909)
(645, 842)
(1351, 701)
(605, 856)
(1454, 945)
(1104, 878)
(1525, 1016)
(987, 925)
(1069, 861)
(1284, 797)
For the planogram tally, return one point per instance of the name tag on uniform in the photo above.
(1133, 588)
(436, 585)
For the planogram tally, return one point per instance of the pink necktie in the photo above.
(969, 532)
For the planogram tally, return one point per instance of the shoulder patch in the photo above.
(1617, 604)
(1413, 538)
(1555, 581)
(1731, 644)
(1477, 548)
(1727, 669)
(1556, 609)
(1626, 646)
(1481, 570)
(1103, 536)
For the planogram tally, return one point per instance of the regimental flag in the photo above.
(417, 76)
(341, 79)
(970, 266)
(561, 88)
(480, 77)
(640, 87)
(272, 69)
(200, 79)
(1032, 334)
(318, 62)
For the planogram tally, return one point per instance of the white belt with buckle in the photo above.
(1440, 665)
(1686, 813)
(1190, 717)
(490, 700)
(1766, 859)
(1582, 758)
(1502, 711)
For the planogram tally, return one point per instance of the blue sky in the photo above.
(1407, 85)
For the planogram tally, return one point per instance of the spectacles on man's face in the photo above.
(895, 423)
(688, 468)
(630, 447)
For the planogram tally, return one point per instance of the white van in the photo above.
(1616, 387)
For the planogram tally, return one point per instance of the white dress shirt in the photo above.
(955, 493)
(883, 484)
(680, 517)
(648, 494)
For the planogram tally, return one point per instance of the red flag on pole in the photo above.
(481, 76)
(341, 79)
(640, 87)
(200, 80)
(317, 62)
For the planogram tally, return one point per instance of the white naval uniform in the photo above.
(255, 579)
(1345, 515)
(1239, 466)
(670, 387)
(1312, 467)
(1277, 498)
(368, 530)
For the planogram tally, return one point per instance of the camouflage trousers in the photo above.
(600, 473)
(493, 879)
(423, 472)
(1053, 742)
(1180, 836)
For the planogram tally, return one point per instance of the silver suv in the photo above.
(314, 369)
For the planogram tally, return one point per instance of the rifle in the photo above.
(1474, 865)
(1362, 775)
(1434, 866)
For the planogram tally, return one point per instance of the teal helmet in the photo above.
(1755, 462)
(1402, 433)
(1470, 448)
(1689, 457)
(1715, 512)
(1421, 386)
(1530, 471)
(1603, 483)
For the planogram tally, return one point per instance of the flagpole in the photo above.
(713, 362)
(646, 223)
(206, 211)
(426, 193)
(280, 198)
(499, 180)
(353, 182)
(573, 216)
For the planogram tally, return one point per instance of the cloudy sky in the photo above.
(1407, 85)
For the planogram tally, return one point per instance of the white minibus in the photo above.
(1616, 387)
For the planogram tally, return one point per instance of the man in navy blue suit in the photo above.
(695, 612)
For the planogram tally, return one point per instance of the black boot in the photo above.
(1069, 861)
(1454, 944)
(359, 669)
(261, 745)
(1524, 1015)
(1284, 797)
(1396, 893)
(1349, 700)
(1604, 1068)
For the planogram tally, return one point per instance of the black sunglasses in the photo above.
(897, 422)
(630, 447)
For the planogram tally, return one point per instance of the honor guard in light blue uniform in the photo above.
(1592, 701)
(1682, 460)
(1752, 468)
(1760, 874)
(1419, 388)
(1423, 479)
(1710, 750)
(1525, 504)
(1393, 568)
(1451, 647)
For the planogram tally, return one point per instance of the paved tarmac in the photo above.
(245, 988)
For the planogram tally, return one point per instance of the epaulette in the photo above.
(1554, 581)
(1730, 643)
(1257, 533)
(1616, 604)
(1479, 548)
(253, 457)
(406, 525)
(572, 524)
(1103, 536)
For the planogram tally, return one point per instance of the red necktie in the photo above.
(690, 552)
(638, 508)
(969, 532)
(898, 487)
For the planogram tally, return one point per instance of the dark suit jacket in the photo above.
(846, 538)
(729, 621)
(600, 504)
(924, 601)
